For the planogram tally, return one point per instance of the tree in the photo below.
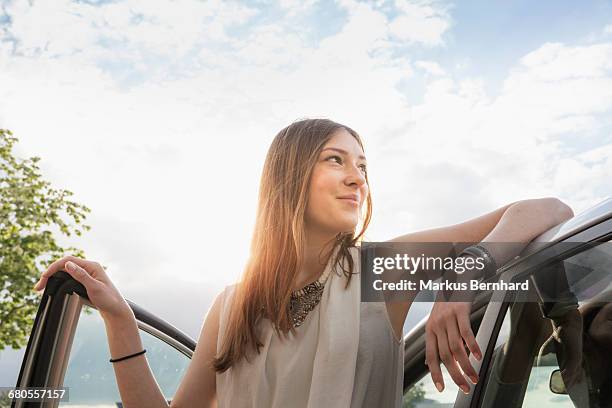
(32, 215)
(5, 401)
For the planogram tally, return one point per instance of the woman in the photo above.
(293, 332)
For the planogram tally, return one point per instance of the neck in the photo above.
(316, 255)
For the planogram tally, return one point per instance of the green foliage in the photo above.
(414, 395)
(32, 214)
(5, 401)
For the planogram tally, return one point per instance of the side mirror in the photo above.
(556, 384)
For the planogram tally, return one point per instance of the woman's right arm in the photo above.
(137, 386)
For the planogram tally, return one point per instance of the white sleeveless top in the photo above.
(344, 354)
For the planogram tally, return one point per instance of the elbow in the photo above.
(559, 211)
(563, 211)
(550, 210)
(566, 212)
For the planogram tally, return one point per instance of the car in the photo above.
(566, 321)
(68, 348)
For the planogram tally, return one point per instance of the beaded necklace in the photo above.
(304, 300)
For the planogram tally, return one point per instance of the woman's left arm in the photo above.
(448, 326)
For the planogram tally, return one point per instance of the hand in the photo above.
(447, 332)
(100, 289)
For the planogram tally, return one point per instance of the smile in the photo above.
(350, 201)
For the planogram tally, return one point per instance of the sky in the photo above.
(158, 115)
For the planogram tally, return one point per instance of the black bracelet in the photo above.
(479, 251)
(114, 360)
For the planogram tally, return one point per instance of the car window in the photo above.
(90, 376)
(424, 393)
(567, 341)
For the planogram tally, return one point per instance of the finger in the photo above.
(465, 329)
(51, 270)
(431, 359)
(458, 350)
(60, 265)
(93, 268)
(80, 275)
(451, 365)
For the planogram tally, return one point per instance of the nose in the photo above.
(355, 176)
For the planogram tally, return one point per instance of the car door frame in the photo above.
(46, 357)
(487, 317)
(537, 254)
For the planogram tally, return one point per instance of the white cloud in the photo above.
(480, 151)
(555, 62)
(420, 21)
(608, 29)
(430, 67)
(413, 22)
(139, 33)
(294, 7)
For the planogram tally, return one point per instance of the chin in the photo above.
(346, 227)
(339, 223)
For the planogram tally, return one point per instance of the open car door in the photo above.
(68, 348)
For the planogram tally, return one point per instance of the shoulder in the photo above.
(224, 297)
(219, 304)
(227, 291)
(223, 302)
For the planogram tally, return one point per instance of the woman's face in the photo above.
(338, 186)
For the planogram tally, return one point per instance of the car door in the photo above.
(572, 337)
(493, 320)
(68, 348)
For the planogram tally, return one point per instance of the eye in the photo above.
(338, 158)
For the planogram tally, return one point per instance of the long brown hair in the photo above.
(278, 239)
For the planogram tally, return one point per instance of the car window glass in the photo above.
(571, 335)
(90, 376)
(416, 314)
